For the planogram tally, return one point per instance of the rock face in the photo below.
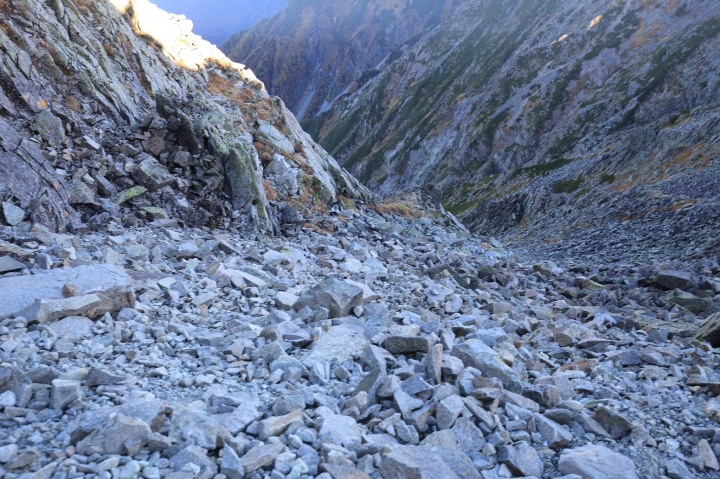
(140, 119)
(519, 119)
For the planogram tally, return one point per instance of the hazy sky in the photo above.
(217, 20)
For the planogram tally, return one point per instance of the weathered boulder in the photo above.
(671, 279)
(710, 331)
(521, 459)
(596, 462)
(339, 297)
(120, 435)
(151, 174)
(477, 354)
(41, 295)
(340, 342)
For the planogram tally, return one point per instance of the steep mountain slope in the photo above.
(526, 116)
(217, 20)
(315, 51)
(115, 110)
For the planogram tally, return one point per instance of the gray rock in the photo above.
(448, 411)
(193, 455)
(406, 344)
(444, 438)
(50, 128)
(674, 280)
(340, 430)
(150, 411)
(260, 456)
(469, 437)
(402, 464)
(158, 442)
(231, 465)
(706, 454)
(190, 426)
(7, 453)
(596, 462)
(615, 424)
(339, 343)
(521, 459)
(676, 469)
(13, 214)
(405, 403)
(13, 379)
(240, 418)
(274, 426)
(73, 327)
(65, 392)
(151, 174)
(338, 297)
(26, 293)
(25, 459)
(692, 303)
(630, 357)
(120, 435)
(555, 435)
(9, 265)
(415, 385)
(7, 399)
(710, 330)
(433, 363)
(423, 462)
(477, 354)
(99, 377)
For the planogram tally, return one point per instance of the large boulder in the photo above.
(42, 294)
(674, 280)
(338, 343)
(710, 331)
(151, 174)
(425, 462)
(120, 435)
(596, 462)
(477, 354)
(336, 296)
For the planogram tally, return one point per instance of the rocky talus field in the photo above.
(191, 287)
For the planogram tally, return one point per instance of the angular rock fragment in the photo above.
(151, 174)
(339, 343)
(65, 392)
(337, 296)
(274, 426)
(120, 435)
(596, 462)
(260, 456)
(521, 459)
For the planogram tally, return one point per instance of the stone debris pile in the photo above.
(361, 345)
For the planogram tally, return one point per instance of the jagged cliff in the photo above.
(115, 110)
(532, 118)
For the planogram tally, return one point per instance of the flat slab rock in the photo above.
(338, 343)
(20, 293)
(596, 462)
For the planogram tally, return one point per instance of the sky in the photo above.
(218, 20)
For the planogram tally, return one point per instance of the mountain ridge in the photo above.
(495, 97)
